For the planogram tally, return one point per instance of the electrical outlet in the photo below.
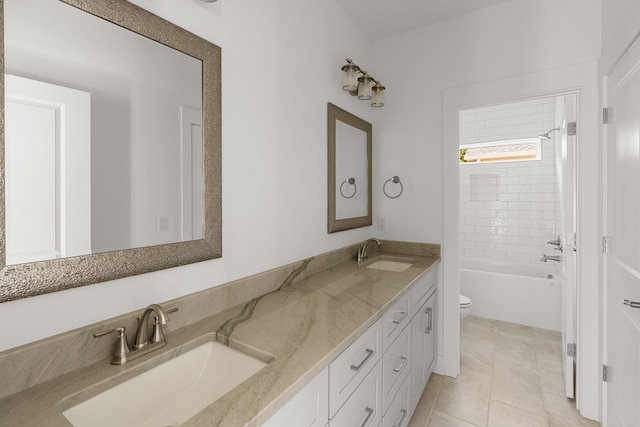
(382, 223)
(163, 224)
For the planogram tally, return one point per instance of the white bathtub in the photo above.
(514, 292)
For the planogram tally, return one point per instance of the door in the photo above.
(569, 204)
(623, 228)
(48, 195)
(192, 197)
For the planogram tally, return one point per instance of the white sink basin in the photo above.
(395, 265)
(170, 393)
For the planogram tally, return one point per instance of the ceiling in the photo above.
(381, 19)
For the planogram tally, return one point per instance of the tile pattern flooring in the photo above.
(510, 376)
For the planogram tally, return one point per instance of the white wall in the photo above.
(510, 39)
(280, 66)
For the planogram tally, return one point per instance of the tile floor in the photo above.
(510, 376)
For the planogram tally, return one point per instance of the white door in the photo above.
(569, 201)
(623, 228)
(48, 171)
(192, 166)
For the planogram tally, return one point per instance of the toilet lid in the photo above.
(464, 301)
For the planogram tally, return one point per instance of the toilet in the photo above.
(465, 306)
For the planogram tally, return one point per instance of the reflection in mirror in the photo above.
(111, 145)
(110, 114)
(349, 172)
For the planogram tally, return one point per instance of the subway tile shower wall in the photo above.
(509, 210)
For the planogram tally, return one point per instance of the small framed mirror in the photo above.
(349, 170)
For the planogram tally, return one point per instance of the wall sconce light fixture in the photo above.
(362, 84)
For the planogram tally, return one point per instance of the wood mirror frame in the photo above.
(334, 115)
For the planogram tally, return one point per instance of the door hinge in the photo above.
(606, 374)
(605, 245)
(605, 115)
(572, 128)
(571, 349)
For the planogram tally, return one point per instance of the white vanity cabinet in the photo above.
(423, 340)
(378, 380)
(308, 408)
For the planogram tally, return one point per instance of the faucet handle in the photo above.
(157, 335)
(122, 346)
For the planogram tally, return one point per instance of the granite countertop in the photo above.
(298, 330)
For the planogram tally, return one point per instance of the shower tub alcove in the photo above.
(527, 294)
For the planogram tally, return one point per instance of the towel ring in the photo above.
(351, 181)
(395, 180)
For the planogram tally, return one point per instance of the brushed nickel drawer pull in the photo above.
(369, 413)
(404, 315)
(357, 367)
(402, 365)
(429, 313)
(404, 414)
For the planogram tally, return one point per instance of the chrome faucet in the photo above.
(362, 250)
(546, 258)
(145, 342)
(557, 243)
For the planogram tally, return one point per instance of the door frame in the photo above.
(580, 78)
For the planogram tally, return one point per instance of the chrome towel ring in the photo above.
(395, 180)
(351, 181)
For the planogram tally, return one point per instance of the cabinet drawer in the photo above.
(364, 406)
(348, 370)
(395, 319)
(308, 408)
(399, 414)
(396, 364)
(421, 290)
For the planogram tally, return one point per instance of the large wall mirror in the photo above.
(111, 145)
(349, 170)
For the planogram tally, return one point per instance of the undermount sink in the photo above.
(396, 265)
(170, 393)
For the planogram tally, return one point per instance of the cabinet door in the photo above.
(429, 341)
(417, 359)
(422, 348)
(308, 408)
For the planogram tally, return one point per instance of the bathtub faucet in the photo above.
(557, 243)
(546, 258)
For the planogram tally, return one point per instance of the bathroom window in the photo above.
(501, 151)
